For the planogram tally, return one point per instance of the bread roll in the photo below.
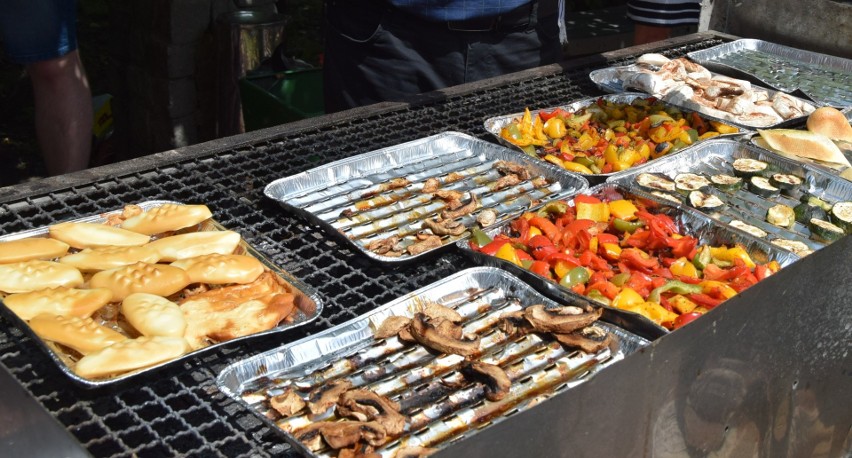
(159, 279)
(81, 334)
(130, 355)
(31, 248)
(59, 301)
(194, 244)
(167, 217)
(110, 257)
(220, 269)
(153, 315)
(90, 235)
(23, 277)
(830, 122)
(803, 143)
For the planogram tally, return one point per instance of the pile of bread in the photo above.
(141, 288)
(828, 133)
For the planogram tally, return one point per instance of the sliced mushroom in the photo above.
(497, 383)
(444, 227)
(365, 405)
(435, 310)
(287, 403)
(383, 246)
(563, 319)
(515, 325)
(466, 209)
(449, 194)
(342, 434)
(505, 182)
(447, 328)
(512, 168)
(359, 451)
(427, 335)
(590, 339)
(310, 436)
(325, 396)
(431, 185)
(391, 326)
(430, 243)
(486, 217)
(414, 452)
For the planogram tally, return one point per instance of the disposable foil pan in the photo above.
(353, 198)
(495, 124)
(690, 223)
(717, 157)
(439, 406)
(609, 80)
(825, 79)
(308, 304)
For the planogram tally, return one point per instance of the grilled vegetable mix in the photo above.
(608, 136)
(622, 253)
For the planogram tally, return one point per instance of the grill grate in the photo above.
(180, 411)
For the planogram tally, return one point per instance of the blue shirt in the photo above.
(456, 10)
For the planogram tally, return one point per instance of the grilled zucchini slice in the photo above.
(801, 249)
(823, 231)
(685, 183)
(705, 202)
(781, 215)
(726, 183)
(753, 230)
(841, 216)
(745, 167)
(655, 182)
(785, 181)
(761, 186)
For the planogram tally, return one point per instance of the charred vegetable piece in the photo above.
(781, 215)
(762, 187)
(823, 231)
(799, 248)
(655, 182)
(666, 196)
(805, 212)
(745, 167)
(705, 202)
(785, 182)
(841, 216)
(753, 230)
(685, 183)
(726, 183)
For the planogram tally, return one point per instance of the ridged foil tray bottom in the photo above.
(418, 379)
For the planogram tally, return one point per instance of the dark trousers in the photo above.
(375, 53)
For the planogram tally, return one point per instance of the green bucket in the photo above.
(277, 98)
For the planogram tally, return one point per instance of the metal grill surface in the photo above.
(180, 411)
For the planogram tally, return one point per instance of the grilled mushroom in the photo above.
(562, 319)
(287, 403)
(486, 217)
(590, 339)
(497, 383)
(429, 243)
(434, 310)
(444, 227)
(507, 168)
(515, 325)
(431, 185)
(391, 326)
(359, 451)
(382, 246)
(505, 182)
(320, 399)
(365, 405)
(425, 332)
(310, 436)
(341, 434)
(449, 195)
(414, 452)
(467, 209)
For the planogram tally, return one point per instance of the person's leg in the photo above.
(63, 112)
(643, 33)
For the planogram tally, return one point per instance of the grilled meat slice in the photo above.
(287, 403)
(562, 319)
(325, 396)
(512, 168)
(495, 380)
(444, 227)
(424, 331)
(590, 339)
(365, 405)
(464, 210)
(430, 243)
(391, 326)
(340, 434)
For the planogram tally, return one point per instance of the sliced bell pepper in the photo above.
(623, 209)
(596, 212)
(507, 252)
(546, 226)
(575, 276)
(683, 268)
(638, 259)
(674, 286)
(492, 248)
(627, 297)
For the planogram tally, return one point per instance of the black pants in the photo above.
(374, 53)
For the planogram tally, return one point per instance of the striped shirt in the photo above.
(664, 12)
(457, 10)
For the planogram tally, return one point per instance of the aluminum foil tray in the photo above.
(308, 305)
(716, 157)
(693, 223)
(355, 199)
(825, 79)
(609, 80)
(441, 409)
(495, 124)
